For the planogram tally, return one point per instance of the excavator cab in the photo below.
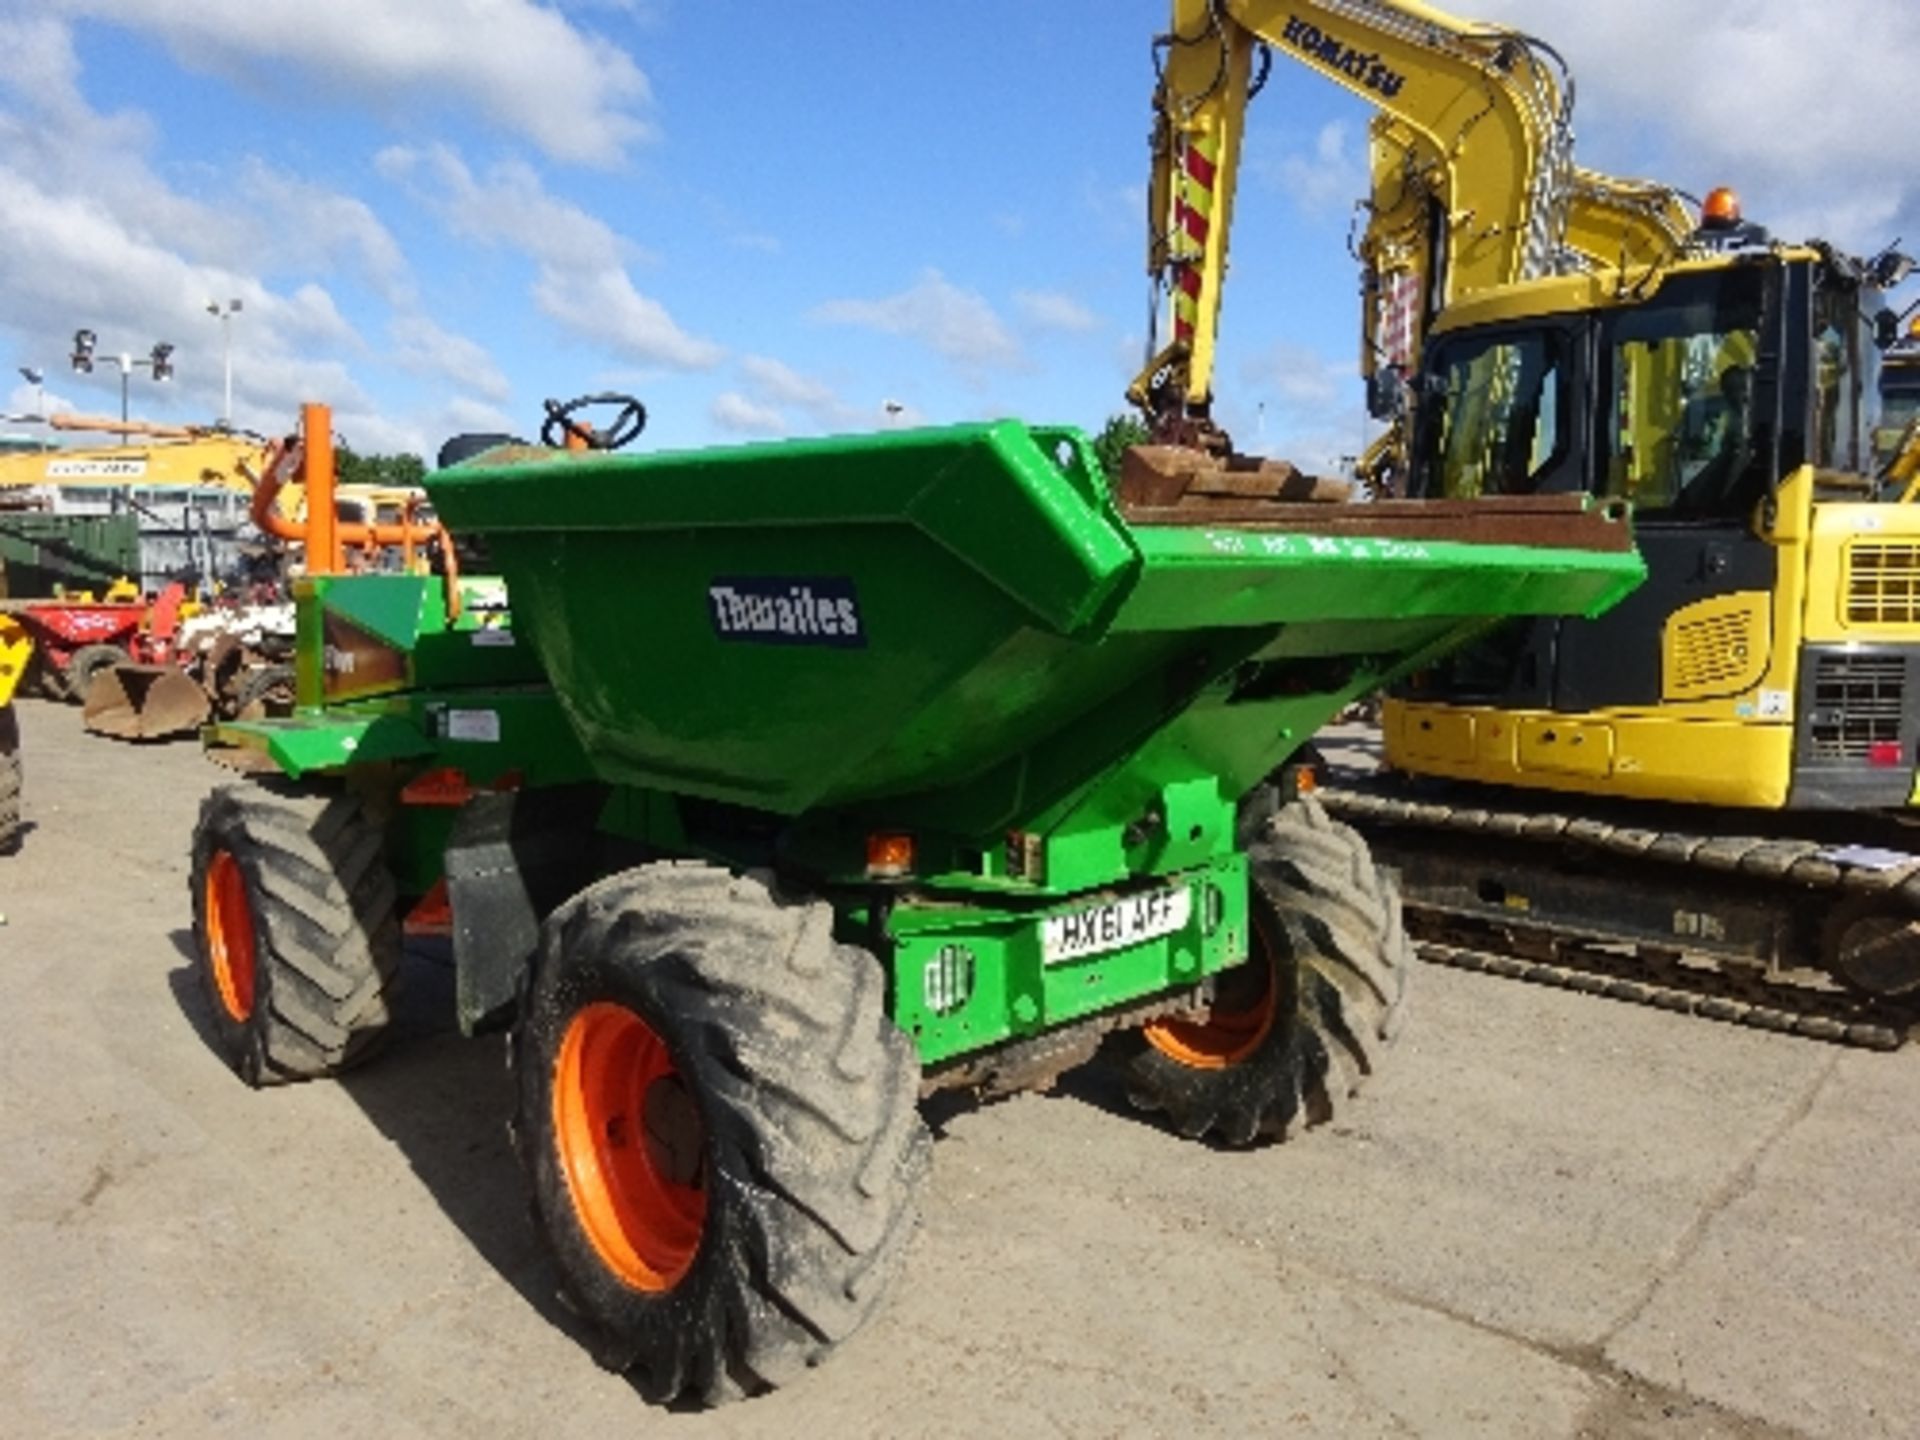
(1732, 405)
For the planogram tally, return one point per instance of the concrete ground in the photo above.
(1551, 1216)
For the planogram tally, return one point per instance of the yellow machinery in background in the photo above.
(16, 649)
(1699, 793)
(172, 456)
(156, 502)
(1699, 799)
(1763, 663)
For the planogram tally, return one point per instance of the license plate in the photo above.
(1100, 928)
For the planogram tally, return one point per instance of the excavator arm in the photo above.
(1483, 110)
(1634, 227)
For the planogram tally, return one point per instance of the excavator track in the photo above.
(1800, 936)
(1708, 993)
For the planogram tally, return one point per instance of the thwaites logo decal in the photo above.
(356, 662)
(772, 610)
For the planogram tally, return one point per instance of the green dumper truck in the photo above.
(805, 779)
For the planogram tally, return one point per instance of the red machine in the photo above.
(76, 640)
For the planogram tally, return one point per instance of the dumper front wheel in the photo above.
(1294, 1031)
(719, 1123)
(294, 918)
(9, 780)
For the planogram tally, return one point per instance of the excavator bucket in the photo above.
(145, 702)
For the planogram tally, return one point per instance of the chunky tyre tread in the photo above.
(815, 1150)
(86, 666)
(327, 933)
(1342, 955)
(10, 780)
(265, 686)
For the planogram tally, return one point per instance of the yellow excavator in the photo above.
(144, 453)
(16, 648)
(1694, 800)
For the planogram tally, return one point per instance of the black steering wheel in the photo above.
(628, 421)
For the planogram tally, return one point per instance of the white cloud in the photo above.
(1300, 378)
(604, 306)
(582, 281)
(48, 131)
(1296, 404)
(956, 324)
(73, 263)
(265, 220)
(1324, 181)
(776, 385)
(96, 238)
(367, 431)
(738, 415)
(523, 66)
(1050, 310)
(781, 384)
(26, 401)
(296, 224)
(508, 205)
(466, 416)
(424, 347)
(1794, 105)
(382, 433)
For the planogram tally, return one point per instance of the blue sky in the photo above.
(776, 218)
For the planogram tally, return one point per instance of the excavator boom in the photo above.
(1484, 107)
(1473, 181)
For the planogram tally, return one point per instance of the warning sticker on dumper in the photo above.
(770, 610)
(481, 725)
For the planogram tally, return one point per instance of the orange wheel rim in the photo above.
(1236, 1026)
(632, 1146)
(229, 927)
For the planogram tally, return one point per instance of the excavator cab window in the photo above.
(1899, 406)
(1846, 376)
(1678, 399)
(1500, 424)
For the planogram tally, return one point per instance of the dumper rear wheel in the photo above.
(1295, 1031)
(294, 916)
(719, 1123)
(9, 780)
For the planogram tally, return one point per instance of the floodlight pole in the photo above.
(159, 361)
(224, 314)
